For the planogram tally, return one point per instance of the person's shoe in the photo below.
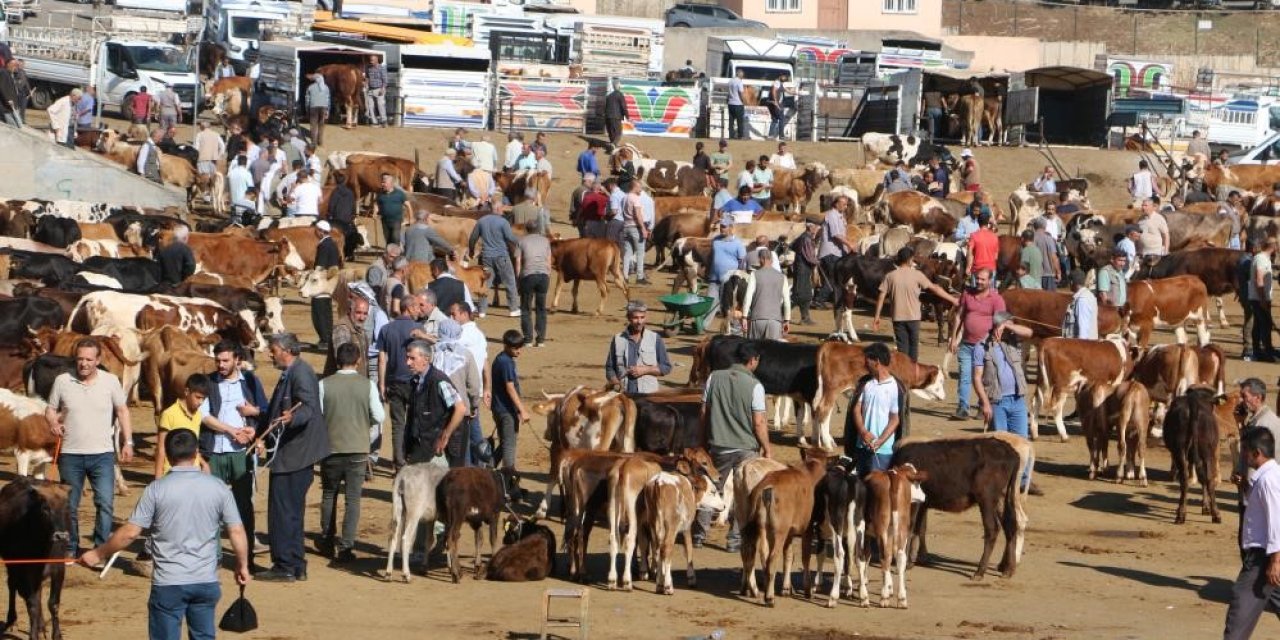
(643, 282)
(733, 547)
(540, 344)
(808, 322)
(1264, 359)
(480, 315)
(325, 547)
(960, 414)
(346, 555)
(697, 543)
(1035, 490)
(275, 575)
(515, 313)
(301, 576)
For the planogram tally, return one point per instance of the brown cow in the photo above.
(304, 241)
(418, 274)
(1128, 406)
(1214, 266)
(918, 210)
(888, 520)
(174, 170)
(672, 178)
(1191, 435)
(1167, 371)
(1068, 363)
(671, 228)
(586, 259)
(780, 509)
(364, 172)
(1258, 178)
(24, 430)
(664, 206)
(993, 118)
(515, 185)
(968, 115)
(1167, 301)
(841, 365)
(794, 188)
(171, 356)
(234, 255)
(666, 509)
(1042, 312)
(346, 82)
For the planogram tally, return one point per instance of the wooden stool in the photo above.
(549, 622)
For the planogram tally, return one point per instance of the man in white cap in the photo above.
(969, 171)
(327, 255)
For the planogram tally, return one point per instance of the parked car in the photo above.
(689, 14)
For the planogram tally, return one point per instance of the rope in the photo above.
(39, 561)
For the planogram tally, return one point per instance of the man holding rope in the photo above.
(978, 307)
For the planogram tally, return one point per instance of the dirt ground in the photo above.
(1102, 560)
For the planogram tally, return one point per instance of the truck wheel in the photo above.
(683, 25)
(40, 98)
(126, 107)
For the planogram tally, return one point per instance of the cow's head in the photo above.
(700, 463)
(932, 379)
(234, 327)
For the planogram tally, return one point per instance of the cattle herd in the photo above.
(635, 463)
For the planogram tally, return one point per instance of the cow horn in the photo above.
(417, 162)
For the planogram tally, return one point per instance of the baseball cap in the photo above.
(966, 153)
(323, 225)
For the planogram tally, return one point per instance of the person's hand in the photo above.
(522, 417)
(868, 440)
(247, 410)
(952, 346)
(1273, 571)
(986, 411)
(243, 576)
(875, 324)
(488, 399)
(440, 444)
(1236, 478)
(382, 392)
(244, 435)
(766, 450)
(286, 416)
(57, 429)
(126, 452)
(90, 559)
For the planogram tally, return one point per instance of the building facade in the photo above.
(920, 16)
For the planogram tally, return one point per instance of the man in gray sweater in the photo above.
(420, 242)
(767, 303)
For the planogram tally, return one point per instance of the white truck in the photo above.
(241, 25)
(1244, 122)
(761, 61)
(119, 55)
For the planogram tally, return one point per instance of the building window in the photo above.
(899, 6)
(788, 6)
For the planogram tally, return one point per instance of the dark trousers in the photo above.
(1049, 283)
(802, 290)
(533, 299)
(390, 231)
(350, 239)
(907, 334)
(1246, 330)
(1250, 596)
(726, 462)
(613, 128)
(398, 405)
(235, 470)
(827, 292)
(286, 506)
(341, 472)
(1262, 327)
(318, 117)
(737, 121)
(322, 318)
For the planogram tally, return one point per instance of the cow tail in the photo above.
(818, 405)
(628, 432)
(1219, 381)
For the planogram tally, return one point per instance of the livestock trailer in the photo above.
(286, 64)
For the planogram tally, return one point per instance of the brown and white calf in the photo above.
(584, 481)
(840, 509)
(24, 430)
(1168, 301)
(471, 496)
(667, 507)
(1068, 363)
(1128, 406)
(888, 520)
(586, 419)
(1167, 371)
(840, 366)
(780, 509)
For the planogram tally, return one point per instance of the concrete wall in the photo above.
(34, 167)
(999, 54)
(656, 9)
(1071, 54)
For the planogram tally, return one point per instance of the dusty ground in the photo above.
(1102, 560)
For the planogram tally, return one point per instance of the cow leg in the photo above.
(1181, 468)
(575, 295)
(900, 559)
(1202, 326)
(629, 543)
(12, 616)
(750, 543)
(1208, 464)
(614, 526)
(552, 478)
(604, 295)
(770, 565)
(57, 575)
(690, 573)
(990, 530)
(885, 543)
(787, 559)
(555, 297)
(1222, 313)
(452, 536)
(1059, 404)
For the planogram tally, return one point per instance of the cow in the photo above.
(472, 496)
(1214, 266)
(55, 231)
(992, 118)
(890, 148)
(197, 316)
(1191, 435)
(867, 186)
(345, 82)
(787, 371)
(413, 501)
(666, 509)
(968, 117)
(22, 315)
(675, 178)
(304, 241)
(919, 211)
(33, 521)
(888, 520)
(780, 509)
(1258, 178)
(418, 275)
(840, 503)
(82, 250)
(516, 185)
(364, 172)
(673, 227)
(1042, 312)
(840, 366)
(25, 431)
(667, 422)
(237, 256)
(265, 313)
(793, 188)
(1167, 371)
(664, 206)
(583, 419)
(174, 169)
(171, 356)
(1172, 301)
(528, 552)
(967, 470)
(584, 477)
(1128, 406)
(586, 259)
(1068, 363)
(855, 273)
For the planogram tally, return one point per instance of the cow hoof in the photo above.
(885, 604)
(903, 605)
(864, 603)
(769, 602)
(1179, 519)
(1217, 519)
(1142, 482)
(668, 591)
(831, 603)
(802, 442)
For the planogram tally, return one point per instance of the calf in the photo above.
(1068, 363)
(1167, 301)
(840, 509)
(968, 470)
(1128, 406)
(583, 419)
(24, 430)
(1191, 435)
(55, 231)
(888, 520)
(472, 496)
(1167, 370)
(413, 501)
(1215, 266)
(33, 525)
(780, 509)
(584, 477)
(667, 423)
(840, 366)
(666, 509)
(586, 259)
(528, 553)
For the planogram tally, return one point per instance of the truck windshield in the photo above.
(165, 59)
(249, 28)
(761, 73)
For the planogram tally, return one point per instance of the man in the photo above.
(141, 106)
(1243, 276)
(539, 143)
(210, 149)
(350, 329)
(1129, 245)
(734, 428)
(876, 413)
(637, 356)
(1030, 260)
(62, 118)
(527, 210)
(970, 175)
(169, 106)
(727, 255)
(737, 112)
(939, 179)
(904, 284)
(9, 95)
(484, 155)
(1081, 320)
(305, 196)
(312, 163)
(1154, 241)
(341, 213)
(984, 245)
(318, 107)
(232, 416)
(1260, 302)
(375, 91)
(185, 511)
(393, 204)
(1231, 209)
(747, 177)
(1045, 184)
(239, 182)
(527, 160)
(1113, 289)
(496, 238)
(535, 280)
(767, 303)
(176, 260)
(86, 108)
(394, 373)
(1255, 588)
(976, 317)
(776, 100)
(1066, 205)
(1198, 146)
(541, 163)
(634, 234)
(447, 180)
(742, 210)
(430, 315)
(834, 245)
(284, 188)
(898, 179)
(473, 339)
(783, 158)
(80, 411)
(762, 183)
(576, 203)
(999, 381)
(805, 248)
(446, 286)
(722, 198)
(1048, 247)
(1253, 396)
(377, 274)
(301, 440)
(482, 187)
(435, 412)
(515, 147)
(352, 410)
(421, 243)
(722, 161)
(1142, 184)
(460, 142)
(322, 303)
(615, 111)
(594, 214)
(148, 162)
(587, 163)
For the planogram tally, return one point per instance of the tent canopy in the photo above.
(1067, 78)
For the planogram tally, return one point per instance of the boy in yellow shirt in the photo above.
(183, 414)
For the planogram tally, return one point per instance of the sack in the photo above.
(241, 617)
(482, 452)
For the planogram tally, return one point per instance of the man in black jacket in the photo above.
(322, 305)
(435, 411)
(177, 262)
(615, 111)
(341, 213)
(301, 440)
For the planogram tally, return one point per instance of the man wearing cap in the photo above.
(999, 381)
(1081, 320)
(904, 285)
(969, 173)
(805, 248)
(327, 256)
(637, 356)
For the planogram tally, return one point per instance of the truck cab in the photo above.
(1267, 152)
(240, 26)
(1244, 122)
(127, 66)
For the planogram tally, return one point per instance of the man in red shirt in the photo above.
(593, 213)
(140, 105)
(978, 306)
(984, 246)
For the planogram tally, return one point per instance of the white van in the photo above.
(1268, 152)
(173, 6)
